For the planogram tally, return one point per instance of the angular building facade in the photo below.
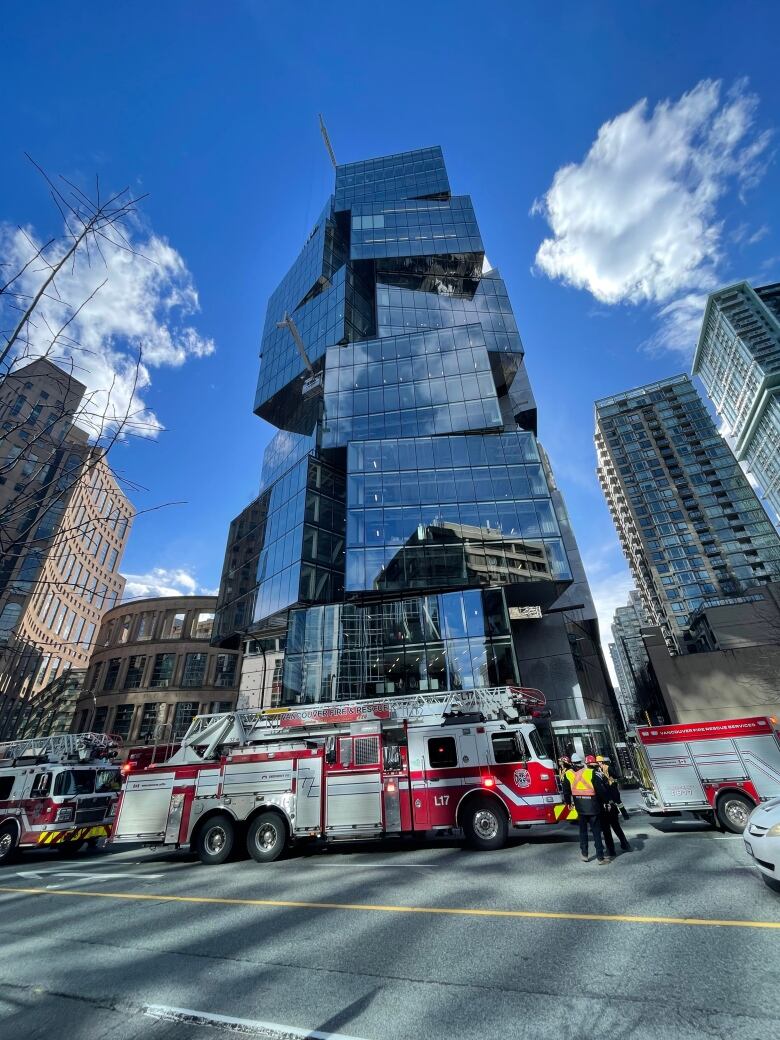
(689, 522)
(738, 360)
(407, 535)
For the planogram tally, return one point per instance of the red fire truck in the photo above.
(58, 791)
(344, 771)
(719, 771)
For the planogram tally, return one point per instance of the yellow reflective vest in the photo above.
(581, 782)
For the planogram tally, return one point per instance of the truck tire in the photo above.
(9, 839)
(266, 837)
(484, 823)
(770, 882)
(733, 810)
(214, 842)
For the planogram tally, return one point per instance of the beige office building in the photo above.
(64, 524)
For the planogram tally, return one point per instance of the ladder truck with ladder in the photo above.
(343, 771)
(57, 792)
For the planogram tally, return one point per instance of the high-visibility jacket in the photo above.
(581, 782)
(582, 790)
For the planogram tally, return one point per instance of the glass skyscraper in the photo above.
(689, 522)
(628, 653)
(407, 535)
(738, 360)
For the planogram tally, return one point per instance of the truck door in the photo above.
(452, 769)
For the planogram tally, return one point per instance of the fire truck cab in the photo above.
(57, 791)
(348, 771)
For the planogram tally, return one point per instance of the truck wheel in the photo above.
(266, 838)
(9, 839)
(215, 839)
(733, 810)
(770, 882)
(484, 824)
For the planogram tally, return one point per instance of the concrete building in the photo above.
(407, 535)
(733, 671)
(64, 524)
(689, 522)
(629, 655)
(738, 360)
(154, 669)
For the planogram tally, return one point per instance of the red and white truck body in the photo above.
(725, 768)
(353, 770)
(56, 791)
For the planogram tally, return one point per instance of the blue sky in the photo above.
(608, 218)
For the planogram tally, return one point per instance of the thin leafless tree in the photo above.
(93, 226)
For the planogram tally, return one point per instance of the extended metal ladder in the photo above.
(249, 725)
(61, 746)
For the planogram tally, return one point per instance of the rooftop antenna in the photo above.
(326, 139)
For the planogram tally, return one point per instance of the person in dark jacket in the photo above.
(584, 789)
(610, 810)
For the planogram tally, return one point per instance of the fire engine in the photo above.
(354, 770)
(720, 771)
(56, 791)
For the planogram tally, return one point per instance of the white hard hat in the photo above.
(577, 758)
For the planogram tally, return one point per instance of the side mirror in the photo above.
(330, 750)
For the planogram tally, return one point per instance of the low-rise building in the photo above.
(734, 667)
(154, 669)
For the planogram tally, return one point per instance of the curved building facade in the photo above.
(154, 669)
(407, 534)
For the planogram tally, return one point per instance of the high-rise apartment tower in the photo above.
(689, 522)
(738, 359)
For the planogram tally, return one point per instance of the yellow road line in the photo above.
(554, 915)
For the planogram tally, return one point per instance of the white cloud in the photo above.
(637, 220)
(162, 581)
(143, 306)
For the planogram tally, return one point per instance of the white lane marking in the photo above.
(79, 877)
(249, 1027)
(381, 866)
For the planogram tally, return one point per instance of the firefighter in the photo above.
(584, 788)
(610, 810)
(564, 763)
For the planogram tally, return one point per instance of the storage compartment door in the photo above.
(761, 756)
(354, 803)
(143, 815)
(308, 799)
(676, 780)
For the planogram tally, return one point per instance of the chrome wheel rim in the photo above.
(266, 837)
(6, 841)
(215, 840)
(737, 812)
(486, 824)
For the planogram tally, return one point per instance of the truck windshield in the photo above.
(87, 781)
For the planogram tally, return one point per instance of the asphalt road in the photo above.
(396, 943)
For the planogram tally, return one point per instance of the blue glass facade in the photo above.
(405, 511)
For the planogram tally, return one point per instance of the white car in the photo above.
(762, 841)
